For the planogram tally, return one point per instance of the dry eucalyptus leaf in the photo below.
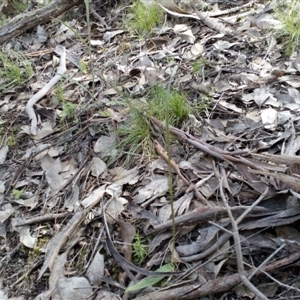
(156, 187)
(98, 166)
(96, 270)
(3, 154)
(223, 45)
(58, 270)
(52, 168)
(74, 288)
(3, 295)
(42, 34)
(151, 76)
(25, 238)
(261, 95)
(110, 34)
(6, 211)
(31, 203)
(115, 208)
(43, 131)
(269, 118)
(185, 33)
(104, 145)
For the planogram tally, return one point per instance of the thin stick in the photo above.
(168, 138)
(238, 250)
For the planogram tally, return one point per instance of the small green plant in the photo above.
(144, 18)
(9, 135)
(12, 136)
(11, 141)
(288, 13)
(136, 133)
(59, 92)
(2, 20)
(83, 67)
(179, 108)
(199, 65)
(68, 108)
(139, 249)
(36, 251)
(14, 72)
(17, 194)
(18, 6)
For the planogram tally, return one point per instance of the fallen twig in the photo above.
(237, 246)
(42, 219)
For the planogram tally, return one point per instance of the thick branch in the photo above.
(27, 21)
(195, 291)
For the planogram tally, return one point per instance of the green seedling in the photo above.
(34, 253)
(199, 66)
(144, 18)
(12, 137)
(288, 13)
(2, 20)
(68, 109)
(139, 249)
(11, 141)
(83, 67)
(178, 110)
(17, 194)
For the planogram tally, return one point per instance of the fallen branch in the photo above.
(215, 24)
(24, 22)
(205, 214)
(194, 291)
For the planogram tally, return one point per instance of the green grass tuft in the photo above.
(288, 13)
(144, 18)
(68, 108)
(14, 71)
(139, 249)
(136, 134)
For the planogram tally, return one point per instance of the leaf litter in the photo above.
(70, 232)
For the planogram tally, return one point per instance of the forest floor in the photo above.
(172, 150)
